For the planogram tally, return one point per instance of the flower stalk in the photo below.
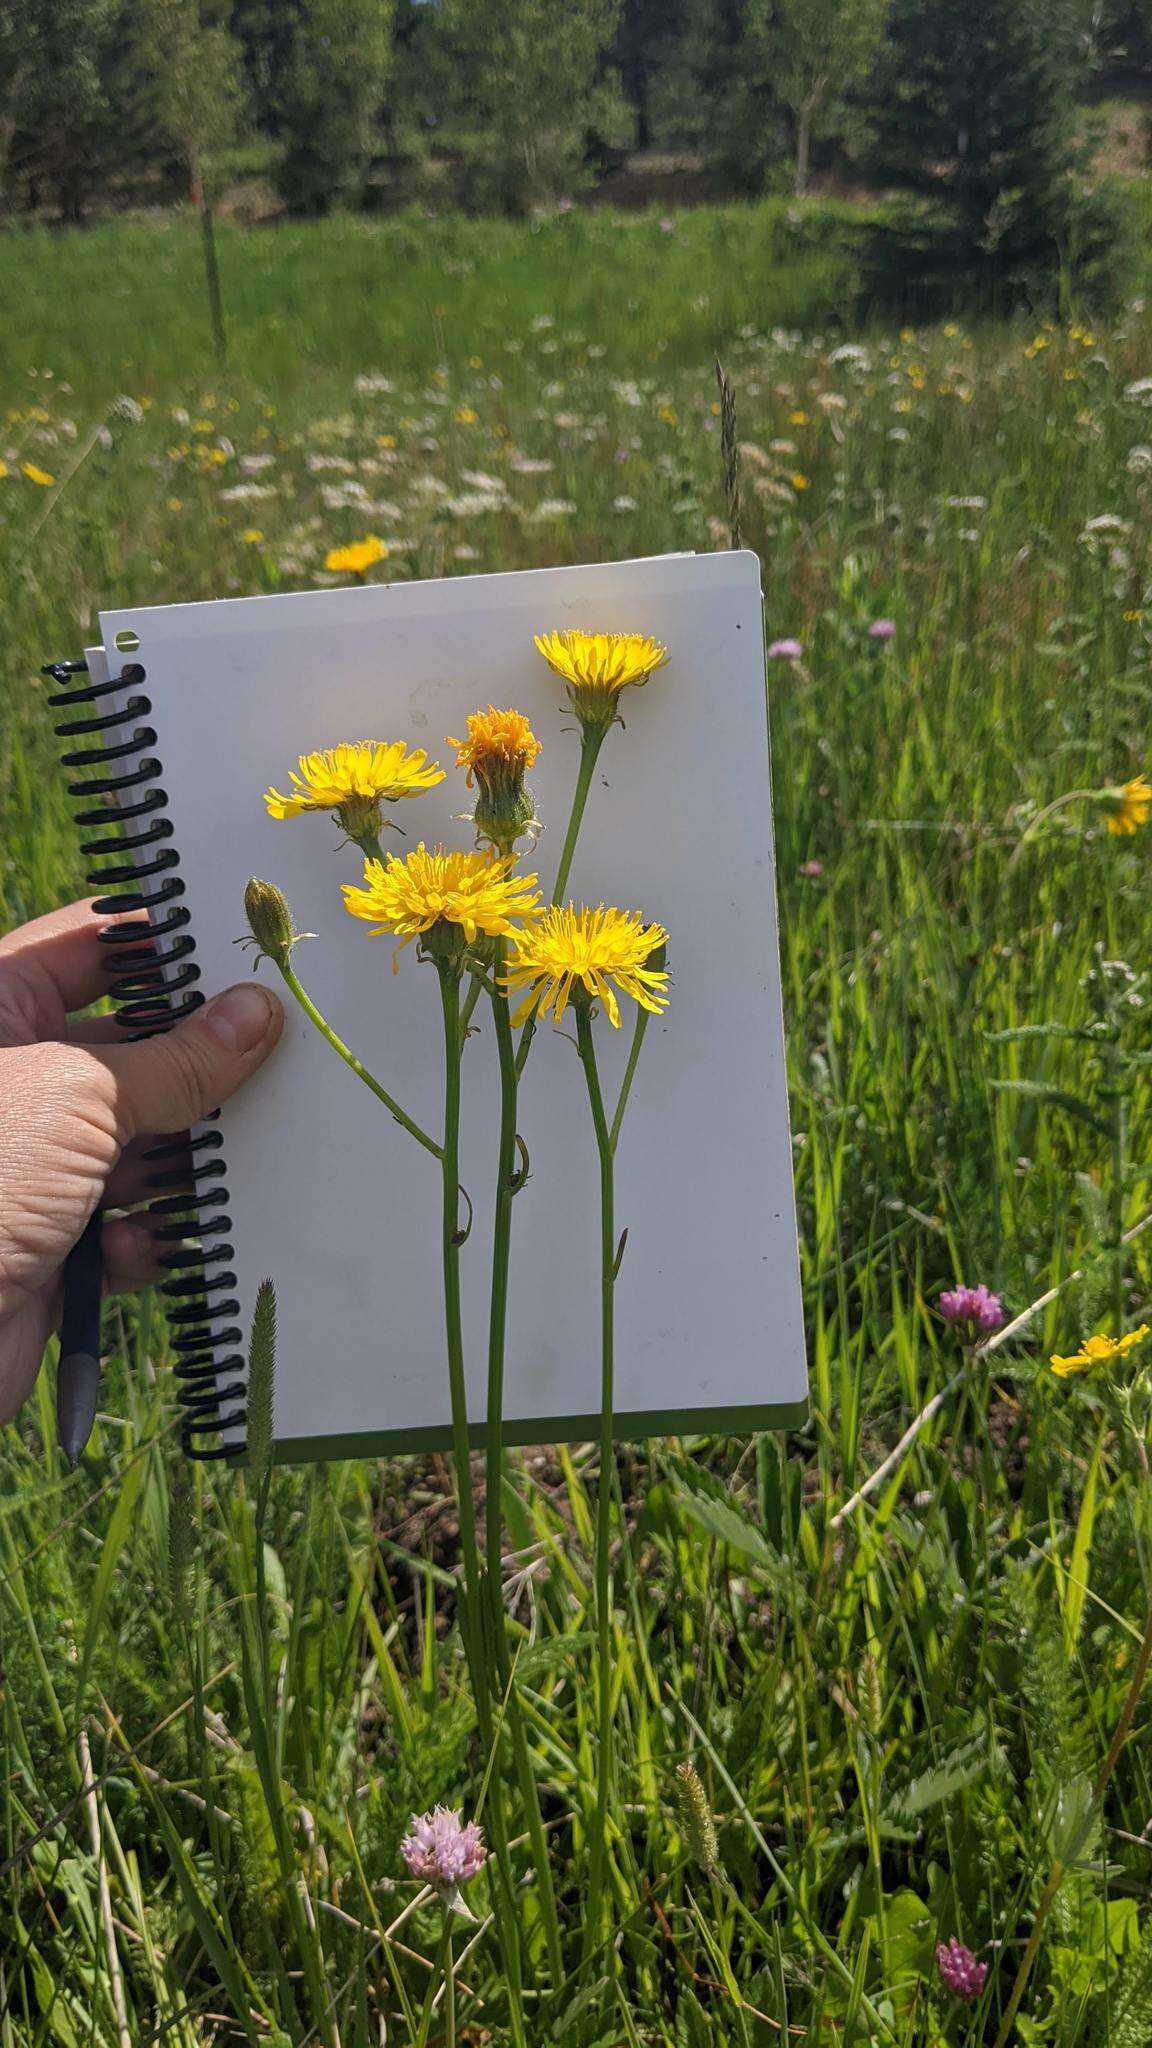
(603, 1573)
(300, 993)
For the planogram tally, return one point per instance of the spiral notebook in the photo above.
(189, 711)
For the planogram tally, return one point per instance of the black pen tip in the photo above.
(77, 1390)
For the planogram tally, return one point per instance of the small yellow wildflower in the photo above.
(385, 440)
(447, 899)
(799, 481)
(353, 781)
(1131, 802)
(597, 666)
(498, 752)
(1133, 618)
(668, 414)
(252, 536)
(1097, 1351)
(1034, 347)
(357, 559)
(3, 468)
(587, 950)
(798, 419)
(466, 416)
(43, 477)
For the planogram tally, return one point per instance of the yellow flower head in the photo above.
(1129, 804)
(597, 666)
(446, 899)
(498, 752)
(43, 477)
(586, 951)
(357, 559)
(1097, 1351)
(353, 781)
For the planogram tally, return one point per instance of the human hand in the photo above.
(78, 1108)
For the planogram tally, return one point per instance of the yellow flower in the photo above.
(1131, 802)
(42, 477)
(354, 781)
(357, 559)
(597, 666)
(251, 536)
(799, 481)
(448, 899)
(385, 440)
(1097, 1351)
(498, 752)
(591, 949)
(3, 469)
(465, 416)
(797, 419)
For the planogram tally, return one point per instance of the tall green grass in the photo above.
(895, 1718)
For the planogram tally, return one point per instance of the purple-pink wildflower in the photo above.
(443, 1850)
(959, 1969)
(785, 650)
(974, 1306)
(882, 629)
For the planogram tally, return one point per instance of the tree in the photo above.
(53, 108)
(330, 99)
(976, 110)
(534, 91)
(197, 69)
(817, 52)
(647, 50)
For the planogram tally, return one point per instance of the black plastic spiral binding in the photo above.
(152, 974)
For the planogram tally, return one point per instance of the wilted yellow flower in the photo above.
(1129, 804)
(34, 475)
(497, 740)
(1097, 1351)
(357, 559)
(589, 950)
(447, 898)
(498, 752)
(597, 666)
(353, 781)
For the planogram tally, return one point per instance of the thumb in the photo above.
(166, 1083)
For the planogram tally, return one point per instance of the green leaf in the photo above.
(1055, 1098)
(967, 1762)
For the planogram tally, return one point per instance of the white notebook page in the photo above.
(331, 1198)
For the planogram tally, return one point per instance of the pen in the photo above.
(78, 1374)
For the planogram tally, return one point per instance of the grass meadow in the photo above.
(912, 1721)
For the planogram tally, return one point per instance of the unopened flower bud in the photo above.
(270, 921)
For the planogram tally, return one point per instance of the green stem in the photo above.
(357, 1066)
(472, 1626)
(586, 1043)
(470, 1002)
(506, 1190)
(591, 741)
(450, 1226)
(590, 744)
(449, 1983)
(638, 1030)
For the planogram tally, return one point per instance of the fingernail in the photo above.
(240, 1018)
